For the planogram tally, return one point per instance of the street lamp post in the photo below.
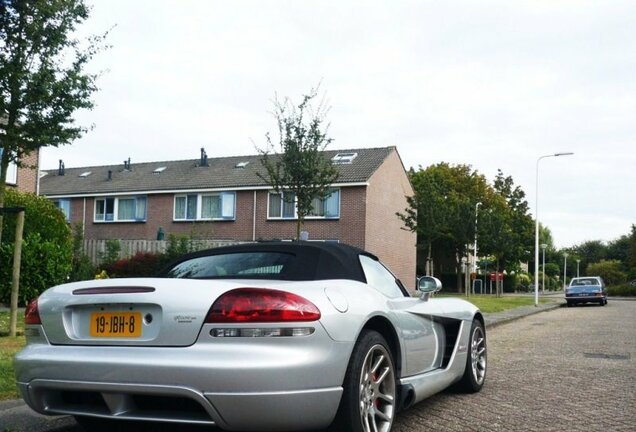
(543, 246)
(475, 254)
(536, 227)
(565, 269)
(578, 261)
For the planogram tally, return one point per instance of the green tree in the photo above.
(442, 211)
(42, 77)
(552, 270)
(632, 249)
(300, 172)
(609, 270)
(588, 252)
(426, 214)
(506, 229)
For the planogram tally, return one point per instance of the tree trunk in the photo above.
(459, 277)
(15, 286)
(429, 260)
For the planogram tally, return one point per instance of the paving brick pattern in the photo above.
(571, 369)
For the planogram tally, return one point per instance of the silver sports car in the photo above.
(265, 336)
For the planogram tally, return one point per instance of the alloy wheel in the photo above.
(478, 354)
(377, 390)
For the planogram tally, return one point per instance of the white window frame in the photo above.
(199, 206)
(57, 202)
(295, 217)
(116, 209)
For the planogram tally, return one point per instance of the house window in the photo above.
(65, 207)
(216, 206)
(120, 209)
(343, 158)
(12, 171)
(283, 206)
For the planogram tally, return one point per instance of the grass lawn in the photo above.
(8, 347)
(489, 303)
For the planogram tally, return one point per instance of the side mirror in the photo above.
(428, 285)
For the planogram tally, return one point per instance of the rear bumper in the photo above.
(231, 411)
(234, 383)
(582, 299)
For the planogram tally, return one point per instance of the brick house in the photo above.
(223, 198)
(25, 178)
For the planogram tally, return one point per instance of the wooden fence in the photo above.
(96, 248)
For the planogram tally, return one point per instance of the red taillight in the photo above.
(31, 314)
(260, 305)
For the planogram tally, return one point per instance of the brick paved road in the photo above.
(571, 369)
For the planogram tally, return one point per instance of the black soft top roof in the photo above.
(314, 260)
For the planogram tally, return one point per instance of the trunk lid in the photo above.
(133, 312)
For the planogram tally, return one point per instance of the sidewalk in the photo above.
(497, 318)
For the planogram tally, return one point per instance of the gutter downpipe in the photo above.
(254, 219)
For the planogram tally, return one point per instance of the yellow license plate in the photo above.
(116, 324)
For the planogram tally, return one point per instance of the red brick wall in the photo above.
(27, 177)
(348, 229)
(386, 195)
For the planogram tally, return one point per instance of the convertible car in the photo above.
(264, 336)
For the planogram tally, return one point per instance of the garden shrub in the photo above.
(46, 252)
(83, 268)
(624, 290)
(609, 270)
(142, 264)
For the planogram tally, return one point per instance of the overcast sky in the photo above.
(493, 84)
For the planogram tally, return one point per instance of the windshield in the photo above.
(243, 265)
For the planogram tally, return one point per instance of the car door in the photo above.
(423, 338)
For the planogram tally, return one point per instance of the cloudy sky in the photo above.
(493, 84)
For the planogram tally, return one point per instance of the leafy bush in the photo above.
(609, 270)
(46, 251)
(624, 290)
(83, 268)
(552, 269)
(177, 246)
(108, 257)
(142, 264)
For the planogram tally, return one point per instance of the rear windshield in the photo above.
(242, 265)
(584, 282)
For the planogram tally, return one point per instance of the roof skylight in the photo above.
(86, 174)
(160, 169)
(241, 164)
(344, 158)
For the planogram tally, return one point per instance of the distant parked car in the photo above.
(590, 289)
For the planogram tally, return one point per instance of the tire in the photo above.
(603, 302)
(369, 398)
(476, 361)
(570, 304)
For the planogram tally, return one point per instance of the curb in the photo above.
(498, 318)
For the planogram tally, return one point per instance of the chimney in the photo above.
(60, 170)
(110, 175)
(204, 158)
(127, 165)
(129, 168)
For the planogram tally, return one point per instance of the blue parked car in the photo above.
(589, 289)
